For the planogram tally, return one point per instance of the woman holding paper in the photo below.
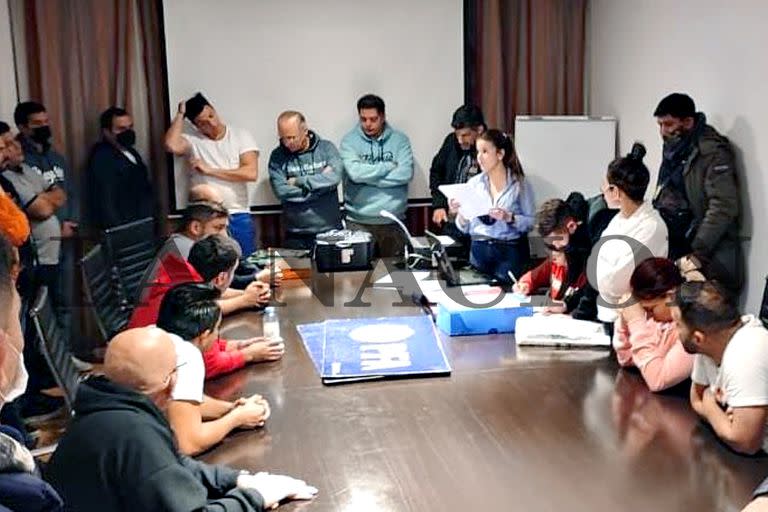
(500, 236)
(646, 335)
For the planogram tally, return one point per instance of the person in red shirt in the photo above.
(211, 260)
(560, 224)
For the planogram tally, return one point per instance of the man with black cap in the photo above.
(118, 187)
(455, 162)
(223, 156)
(697, 192)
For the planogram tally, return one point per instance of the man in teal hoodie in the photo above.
(378, 164)
(305, 171)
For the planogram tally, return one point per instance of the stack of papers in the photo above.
(473, 202)
(374, 348)
(559, 331)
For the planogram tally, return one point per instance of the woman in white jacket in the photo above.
(636, 233)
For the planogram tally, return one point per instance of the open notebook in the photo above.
(559, 331)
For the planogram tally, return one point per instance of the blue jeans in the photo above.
(241, 228)
(498, 257)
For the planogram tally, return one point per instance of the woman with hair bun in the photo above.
(500, 238)
(636, 232)
(646, 336)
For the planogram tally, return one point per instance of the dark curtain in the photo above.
(525, 57)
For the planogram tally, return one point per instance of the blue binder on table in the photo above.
(374, 348)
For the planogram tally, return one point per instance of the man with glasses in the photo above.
(119, 451)
(564, 271)
(305, 172)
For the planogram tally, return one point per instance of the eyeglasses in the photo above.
(170, 374)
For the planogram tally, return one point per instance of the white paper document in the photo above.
(477, 294)
(473, 202)
(559, 330)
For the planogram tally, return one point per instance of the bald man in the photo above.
(204, 192)
(305, 171)
(119, 452)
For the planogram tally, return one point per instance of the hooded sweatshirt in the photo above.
(119, 454)
(311, 204)
(377, 173)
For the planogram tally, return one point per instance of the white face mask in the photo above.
(13, 375)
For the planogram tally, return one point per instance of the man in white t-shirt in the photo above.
(730, 371)
(189, 312)
(223, 156)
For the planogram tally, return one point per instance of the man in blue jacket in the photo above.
(378, 164)
(305, 171)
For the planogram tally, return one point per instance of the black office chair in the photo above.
(53, 345)
(131, 248)
(764, 305)
(112, 314)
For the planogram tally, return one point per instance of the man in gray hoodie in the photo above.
(305, 171)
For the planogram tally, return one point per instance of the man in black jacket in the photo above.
(697, 193)
(118, 186)
(455, 162)
(119, 453)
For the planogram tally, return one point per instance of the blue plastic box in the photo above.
(458, 320)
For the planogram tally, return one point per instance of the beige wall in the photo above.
(641, 50)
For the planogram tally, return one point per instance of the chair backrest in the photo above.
(131, 248)
(53, 345)
(112, 314)
(764, 305)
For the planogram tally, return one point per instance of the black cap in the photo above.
(194, 106)
(466, 116)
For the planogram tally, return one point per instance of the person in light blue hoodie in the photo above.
(378, 165)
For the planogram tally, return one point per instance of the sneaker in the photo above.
(40, 408)
(80, 365)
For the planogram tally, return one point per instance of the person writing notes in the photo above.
(499, 237)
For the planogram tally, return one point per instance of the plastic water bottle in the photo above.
(271, 324)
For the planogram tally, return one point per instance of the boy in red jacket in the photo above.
(561, 225)
(212, 260)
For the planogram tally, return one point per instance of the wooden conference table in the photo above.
(510, 429)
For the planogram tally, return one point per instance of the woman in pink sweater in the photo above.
(645, 334)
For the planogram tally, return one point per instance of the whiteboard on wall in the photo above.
(255, 59)
(563, 154)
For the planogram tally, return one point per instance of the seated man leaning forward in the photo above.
(730, 370)
(188, 234)
(119, 453)
(189, 313)
(211, 260)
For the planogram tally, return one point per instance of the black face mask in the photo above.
(42, 135)
(126, 139)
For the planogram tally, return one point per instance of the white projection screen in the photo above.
(255, 58)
